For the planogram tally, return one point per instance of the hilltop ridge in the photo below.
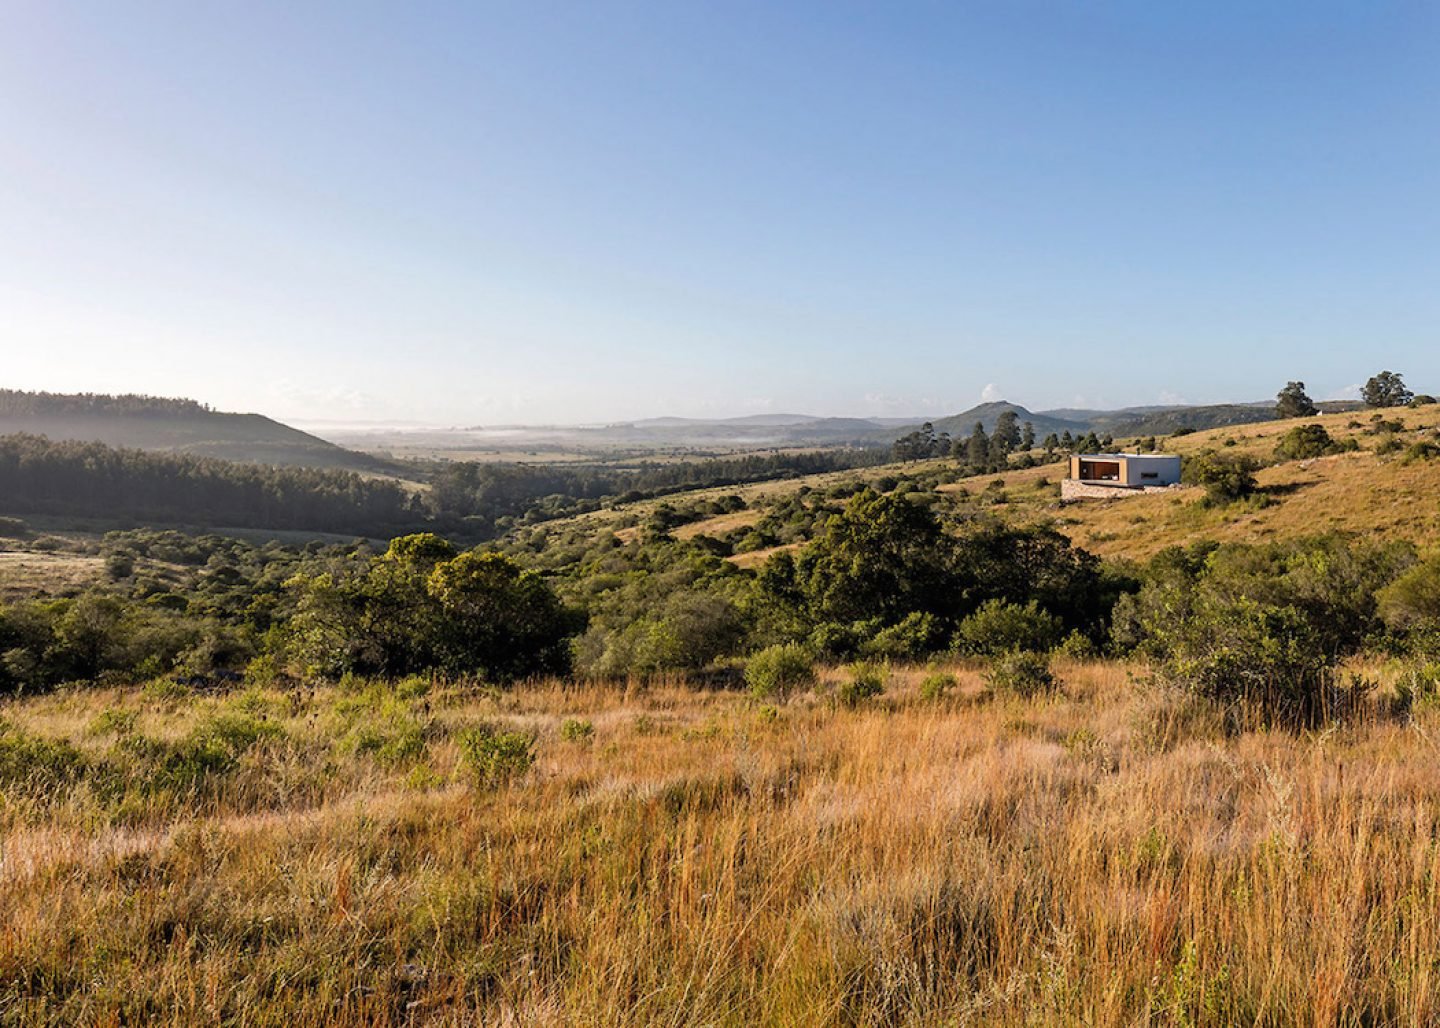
(173, 425)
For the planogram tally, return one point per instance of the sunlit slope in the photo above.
(1388, 495)
(1361, 492)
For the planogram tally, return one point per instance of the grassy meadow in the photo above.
(1108, 854)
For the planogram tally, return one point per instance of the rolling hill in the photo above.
(1384, 493)
(1127, 421)
(174, 426)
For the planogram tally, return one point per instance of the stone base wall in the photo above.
(1072, 489)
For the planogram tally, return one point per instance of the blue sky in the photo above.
(538, 212)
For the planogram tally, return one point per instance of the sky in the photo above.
(537, 212)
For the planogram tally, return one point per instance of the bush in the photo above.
(32, 765)
(1225, 478)
(577, 730)
(1304, 442)
(1000, 627)
(495, 758)
(1267, 660)
(779, 670)
(1078, 646)
(918, 634)
(1021, 674)
(392, 737)
(830, 639)
(1417, 686)
(937, 686)
(1412, 601)
(1423, 450)
(113, 721)
(866, 681)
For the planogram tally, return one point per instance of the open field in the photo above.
(1106, 856)
(29, 573)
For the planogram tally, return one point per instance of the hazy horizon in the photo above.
(549, 214)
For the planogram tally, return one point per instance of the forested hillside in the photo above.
(173, 426)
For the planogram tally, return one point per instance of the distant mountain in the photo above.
(173, 426)
(988, 414)
(1124, 423)
(753, 420)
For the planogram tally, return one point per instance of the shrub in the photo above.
(1225, 478)
(937, 686)
(577, 730)
(393, 738)
(999, 627)
(918, 634)
(1267, 660)
(1412, 601)
(495, 758)
(779, 670)
(831, 639)
(866, 681)
(30, 764)
(1078, 646)
(213, 748)
(1304, 442)
(113, 721)
(1423, 450)
(1417, 686)
(1021, 674)
(166, 690)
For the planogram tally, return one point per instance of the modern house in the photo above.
(1116, 474)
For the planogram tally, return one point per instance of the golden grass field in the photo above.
(1105, 856)
(1355, 492)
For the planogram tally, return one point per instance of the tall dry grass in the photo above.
(1104, 856)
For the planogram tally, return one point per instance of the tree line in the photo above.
(474, 500)
(86, 479)
(18, 403)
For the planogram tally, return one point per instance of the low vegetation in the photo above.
(1101, 851)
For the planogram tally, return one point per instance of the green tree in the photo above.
(1007, 434)
(501, 621)
(882, 559)
(1387, 389)
(1027, 436)
(977, 450)
(1293, 402)
(916, 445)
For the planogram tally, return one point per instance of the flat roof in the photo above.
(1128, 456)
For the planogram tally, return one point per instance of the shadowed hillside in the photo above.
(175, 426)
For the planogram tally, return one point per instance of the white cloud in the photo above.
(1350, 392)
(1169, 396)
(990, 393)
